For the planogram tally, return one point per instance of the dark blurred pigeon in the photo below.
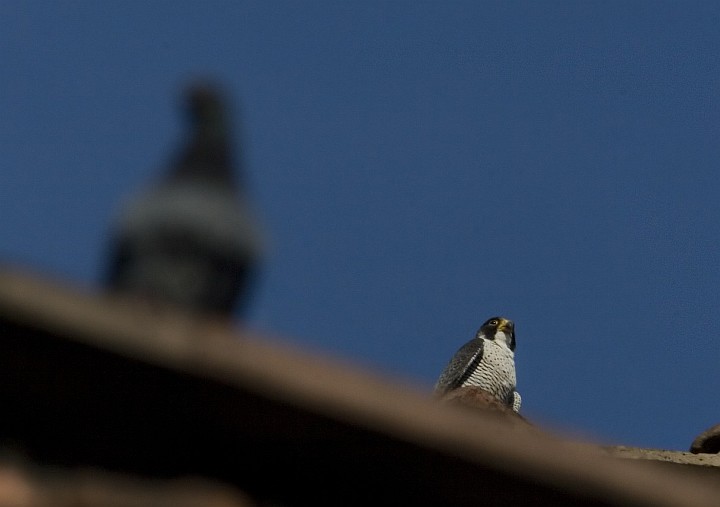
(191, 239)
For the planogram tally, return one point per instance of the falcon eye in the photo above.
(494, 322)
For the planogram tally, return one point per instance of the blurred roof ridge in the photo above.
(155, 392)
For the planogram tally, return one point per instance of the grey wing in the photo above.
(460, 366)
(516, 401)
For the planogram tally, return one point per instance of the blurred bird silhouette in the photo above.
(191, 239)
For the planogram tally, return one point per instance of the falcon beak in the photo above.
(506, 325)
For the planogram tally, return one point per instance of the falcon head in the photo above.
(499, 329)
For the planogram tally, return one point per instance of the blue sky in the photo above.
(419, 167)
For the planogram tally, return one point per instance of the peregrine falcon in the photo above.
(190, 240)
(487, 361)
